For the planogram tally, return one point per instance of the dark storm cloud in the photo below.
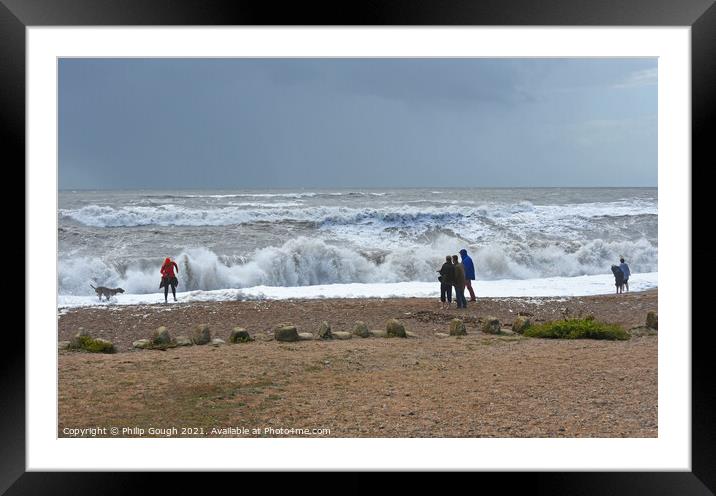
(232, 123)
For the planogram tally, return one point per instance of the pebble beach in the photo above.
(429, 384)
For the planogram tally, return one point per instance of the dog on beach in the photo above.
(106, 292)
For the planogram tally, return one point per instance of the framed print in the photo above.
(250, 214)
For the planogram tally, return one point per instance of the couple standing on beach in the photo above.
(621, 275)
(458, 275)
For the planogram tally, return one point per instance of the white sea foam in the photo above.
(308, 194)
(252, 195)
(523, 213)
(306, 261)
(546, 287)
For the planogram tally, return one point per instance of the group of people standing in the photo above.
(459, 275)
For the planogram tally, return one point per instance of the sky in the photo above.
(345, 123)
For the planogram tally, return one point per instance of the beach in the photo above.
(426, 385)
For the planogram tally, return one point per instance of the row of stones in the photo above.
(393, 329)
(287, 332)
(201, 334)
(283, 332)
(490, 325)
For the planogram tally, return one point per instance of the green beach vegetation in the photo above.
(586, 328)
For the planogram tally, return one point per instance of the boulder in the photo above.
(520, 324)
(83, 341)
(161, 336)
(360, 329)
(305, 336)
(285, 333)
(324, 332)
(201, 334)
(240, 335)
(217, 342)
(63, 345)
(142, 344)
(342, 335)
(441, 335)
(183, 341)
(409, 334)
(395, 329)
(100, 345)
(457, 328)
(378, 333)
(652, 320)
(491, 325)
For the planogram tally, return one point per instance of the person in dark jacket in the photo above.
(469, 272)
(447, 279)
(459, 283)
(168, 278)
(618, 278)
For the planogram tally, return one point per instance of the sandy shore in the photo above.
(478, 385)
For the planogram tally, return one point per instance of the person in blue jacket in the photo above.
(625, 270)
(469, 272)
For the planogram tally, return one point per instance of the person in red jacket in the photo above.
(168, 278)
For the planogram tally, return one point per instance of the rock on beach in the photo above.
(324, 331)
(142, 344)
(457, 328)
(201, 334)
(239, 335)
(395, 328)
(286, 333)
(491, 325)
(161, 336)
(520, 324)
(361, 329)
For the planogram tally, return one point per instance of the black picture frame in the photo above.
(700, 15)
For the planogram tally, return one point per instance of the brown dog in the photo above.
(106, 292)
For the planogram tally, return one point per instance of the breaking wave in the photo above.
(306, 261)
(247, 212)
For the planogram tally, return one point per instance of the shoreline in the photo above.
(556, 287)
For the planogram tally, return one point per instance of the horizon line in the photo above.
(346, 187)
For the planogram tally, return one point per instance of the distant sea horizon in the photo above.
(348, 188)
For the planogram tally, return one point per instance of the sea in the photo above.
(352, 243)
